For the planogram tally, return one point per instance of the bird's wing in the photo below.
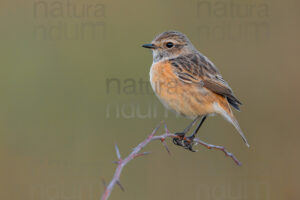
(197, 69)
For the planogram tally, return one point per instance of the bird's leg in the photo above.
(188, 142)
(179, 140)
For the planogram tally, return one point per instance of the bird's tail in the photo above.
(228, 115)
(238, 128)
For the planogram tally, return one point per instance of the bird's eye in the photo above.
(169, 44)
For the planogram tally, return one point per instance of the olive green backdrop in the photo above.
(74, 81)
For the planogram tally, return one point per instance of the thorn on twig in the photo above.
(120, 185)
(165, 145)
(104, 183)
(142, 154)
(166, 128)
(155, 130)
(117, 151)
(115, 162)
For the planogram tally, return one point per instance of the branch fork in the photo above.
(121, 163)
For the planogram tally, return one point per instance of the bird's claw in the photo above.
(179, 139)
(188, 143)
(185, 142)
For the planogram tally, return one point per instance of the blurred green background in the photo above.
(61, 116)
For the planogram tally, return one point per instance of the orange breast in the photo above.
(189, 99)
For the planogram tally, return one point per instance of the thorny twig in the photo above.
(136, 153)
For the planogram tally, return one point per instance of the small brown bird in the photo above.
(189, 83)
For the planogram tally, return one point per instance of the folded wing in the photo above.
(196, 68)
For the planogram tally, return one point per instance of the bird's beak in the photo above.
(149, 46)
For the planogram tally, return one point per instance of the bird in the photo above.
(187, 82)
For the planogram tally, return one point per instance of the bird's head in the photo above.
(170, 44)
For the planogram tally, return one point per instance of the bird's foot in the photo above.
(188, 143)
(179, 140)
(185, 142)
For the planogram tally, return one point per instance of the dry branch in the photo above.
(136, 153)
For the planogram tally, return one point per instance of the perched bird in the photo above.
(189, 83)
